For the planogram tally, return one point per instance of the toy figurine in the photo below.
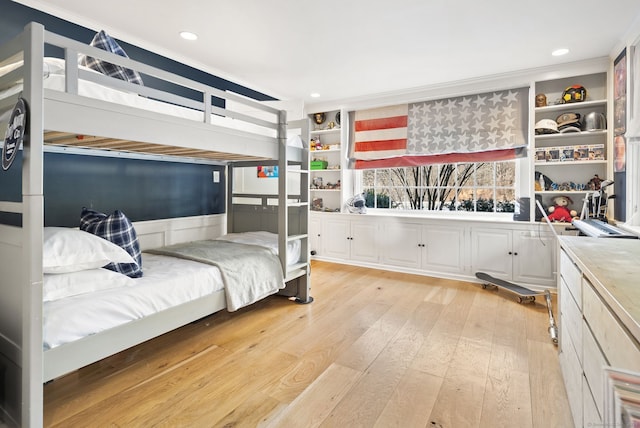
(560, 210)
(594, 183)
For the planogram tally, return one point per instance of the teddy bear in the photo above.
(560, 211)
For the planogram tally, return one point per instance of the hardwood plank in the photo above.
(337, 338)
(436, 353)
(366, 349)
(218, 392)
(251, 413)
(507, 395)
(149, 403)
(510, 326)
(222, 389)
(91, 385)
(371, 393)
(317, 401)
(325, 351)
(459, 403)
(412, 401)
(549, 402)
(331, 316)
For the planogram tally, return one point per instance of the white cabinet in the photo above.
(523, 253)
(592, 335)
(327, 163)
(536, 259)
(492, 252)
(428, 247)
(344, 239)
(570, 160)
(522, 256)
(315, 235)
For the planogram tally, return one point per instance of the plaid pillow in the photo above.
(118, 229)
(105, 42)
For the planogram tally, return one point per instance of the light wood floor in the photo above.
(375, 349)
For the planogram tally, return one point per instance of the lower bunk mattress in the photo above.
(240, 267)
(167, 282)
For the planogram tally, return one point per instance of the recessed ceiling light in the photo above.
(314, 95)
(188, 35)
(560, 52)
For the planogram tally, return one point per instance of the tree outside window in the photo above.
(476, 187)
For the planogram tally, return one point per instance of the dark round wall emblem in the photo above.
(15, 133)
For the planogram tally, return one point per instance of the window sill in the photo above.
(448, 215)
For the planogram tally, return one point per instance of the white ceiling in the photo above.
(346, 49)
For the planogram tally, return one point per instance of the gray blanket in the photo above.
(249, 272)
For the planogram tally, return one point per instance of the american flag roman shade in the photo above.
(472, 128)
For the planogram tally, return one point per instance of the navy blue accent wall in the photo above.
(142, 189)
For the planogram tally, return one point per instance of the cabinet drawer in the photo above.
(571, 319)
(572, 277)
(593, 363)
(590, 413)
(572, 375)
(618, 347)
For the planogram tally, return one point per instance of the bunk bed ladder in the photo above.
(294, 204)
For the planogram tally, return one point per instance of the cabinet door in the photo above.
(491, 252)
(315, 236)
(364, 241)
(443, 249)
(402, 244)
(335, 238)
(536, 260)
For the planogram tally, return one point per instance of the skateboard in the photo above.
(525, 295)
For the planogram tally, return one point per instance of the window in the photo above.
(475, 187)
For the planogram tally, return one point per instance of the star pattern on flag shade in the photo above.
(467, 124)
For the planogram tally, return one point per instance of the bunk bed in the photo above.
(71, 107)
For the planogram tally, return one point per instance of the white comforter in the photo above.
(268, 240)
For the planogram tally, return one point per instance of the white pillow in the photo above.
(71, 250)
(61, 285)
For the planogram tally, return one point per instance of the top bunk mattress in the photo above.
(54, 80)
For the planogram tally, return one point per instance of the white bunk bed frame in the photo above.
(23, 364)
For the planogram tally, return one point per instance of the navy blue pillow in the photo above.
(105, 42)
(118, 229)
